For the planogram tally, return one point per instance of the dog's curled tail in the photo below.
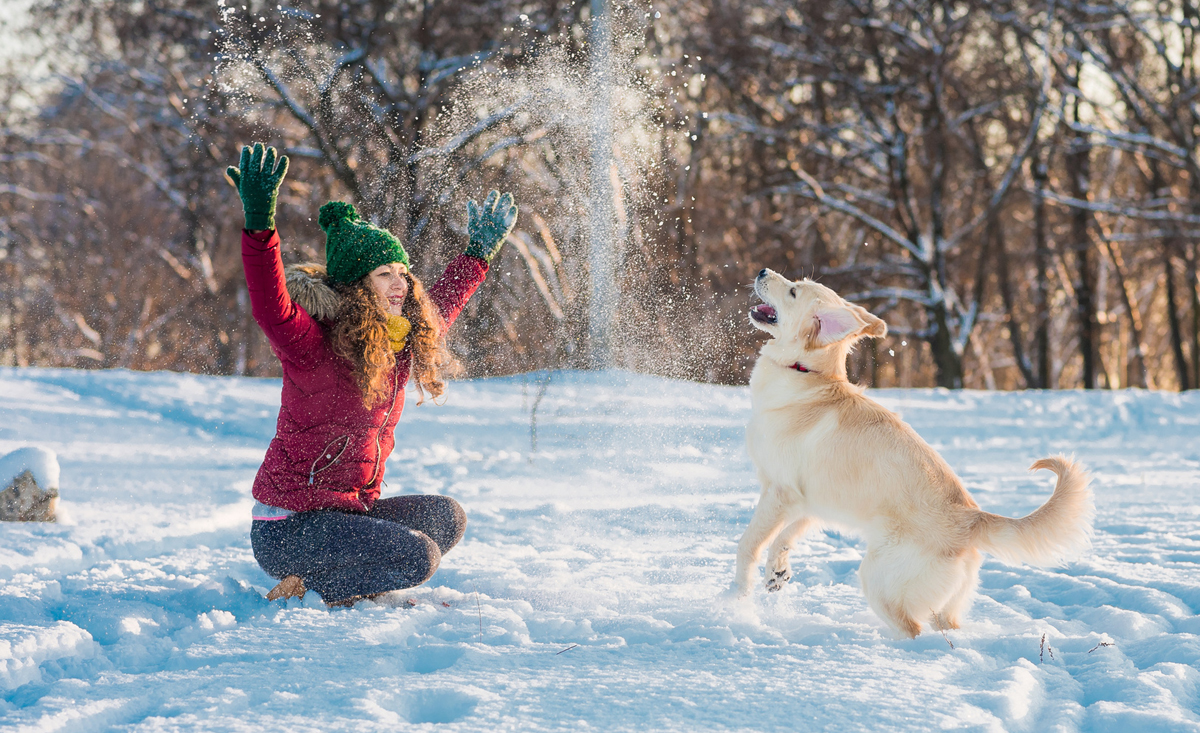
(1057, 530)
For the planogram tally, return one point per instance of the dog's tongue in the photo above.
(763, 311)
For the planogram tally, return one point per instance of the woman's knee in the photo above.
(268, 550)
(442, 519)
(421, 562)
(408, 559)
(457, 524)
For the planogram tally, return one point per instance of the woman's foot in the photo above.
(290, 587)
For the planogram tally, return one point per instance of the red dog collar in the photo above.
(801, 368)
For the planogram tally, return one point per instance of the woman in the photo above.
(349, 336)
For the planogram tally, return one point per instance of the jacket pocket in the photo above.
(329, 456)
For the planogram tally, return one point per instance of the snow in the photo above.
(41, 463)
(590, 590)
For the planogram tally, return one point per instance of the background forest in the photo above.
(1013, 186)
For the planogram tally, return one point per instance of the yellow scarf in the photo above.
(398, 328)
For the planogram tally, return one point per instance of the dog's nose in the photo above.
(762, 273)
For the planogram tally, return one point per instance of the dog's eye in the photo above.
(793, 292)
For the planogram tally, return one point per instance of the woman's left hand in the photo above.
(257, 179)
(489, 226)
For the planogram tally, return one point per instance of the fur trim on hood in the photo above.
(308, 284)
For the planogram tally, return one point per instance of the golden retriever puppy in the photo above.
(827, 454)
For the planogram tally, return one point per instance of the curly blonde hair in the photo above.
(359, 335)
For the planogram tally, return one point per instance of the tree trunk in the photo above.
(1195, 304)
(1136, 372)
(1078, 164)
(1010, 312)
(948, 361)
(1041, 261)
(1173, 320)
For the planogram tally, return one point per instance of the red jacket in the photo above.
(329, 449)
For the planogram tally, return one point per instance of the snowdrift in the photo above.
(589, 590)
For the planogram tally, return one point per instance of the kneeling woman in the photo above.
(349, 336)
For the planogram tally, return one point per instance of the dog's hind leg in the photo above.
(769, 517)
(877, 574)
(904, 582)
(779, 570)
(951, 615)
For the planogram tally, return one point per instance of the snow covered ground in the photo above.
(588, 591)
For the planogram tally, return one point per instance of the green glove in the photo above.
(489, 227)
(257, 180)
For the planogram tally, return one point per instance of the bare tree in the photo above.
(1013, 184)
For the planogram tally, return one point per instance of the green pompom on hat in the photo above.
(354, 247)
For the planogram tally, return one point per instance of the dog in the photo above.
(828, 455)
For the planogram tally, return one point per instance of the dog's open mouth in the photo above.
(763, 313)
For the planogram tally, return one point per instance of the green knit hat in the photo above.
(354, 247)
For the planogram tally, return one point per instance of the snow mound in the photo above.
(24, 649)
(40, 462)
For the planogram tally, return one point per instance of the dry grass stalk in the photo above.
(479, 609)
(1043, 649)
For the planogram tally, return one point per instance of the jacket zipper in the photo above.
(386, 417)
(313, 470)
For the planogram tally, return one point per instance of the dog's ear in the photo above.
(876, 327)
(832, 324)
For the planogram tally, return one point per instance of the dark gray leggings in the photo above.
(397, 544)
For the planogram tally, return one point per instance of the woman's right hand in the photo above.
(257, 179)
(488, 227)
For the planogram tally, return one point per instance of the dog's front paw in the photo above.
(779, 578)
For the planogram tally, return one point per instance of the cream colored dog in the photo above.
(826, 454)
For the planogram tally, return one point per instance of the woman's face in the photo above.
(390, 285)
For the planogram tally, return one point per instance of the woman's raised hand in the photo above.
(257, 179)
(489, 226)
